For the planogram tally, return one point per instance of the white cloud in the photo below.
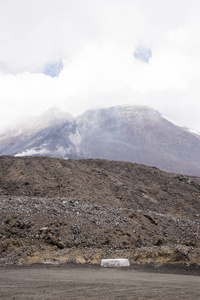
(95, 41)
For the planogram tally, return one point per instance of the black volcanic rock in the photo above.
(84, 210)
(126, 133)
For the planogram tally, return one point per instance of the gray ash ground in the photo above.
(72, 281)
(56, 211)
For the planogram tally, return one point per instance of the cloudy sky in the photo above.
(82, 54)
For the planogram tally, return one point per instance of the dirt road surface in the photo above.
(72, 282)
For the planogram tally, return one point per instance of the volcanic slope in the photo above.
(85, 210)
(136, 134)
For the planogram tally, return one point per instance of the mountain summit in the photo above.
(126, 133)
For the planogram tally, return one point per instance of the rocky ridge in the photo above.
(55, 210)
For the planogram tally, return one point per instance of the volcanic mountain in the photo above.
(125, 133)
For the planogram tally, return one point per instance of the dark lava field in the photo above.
(56, 211)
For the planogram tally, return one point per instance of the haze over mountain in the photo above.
(126, 133)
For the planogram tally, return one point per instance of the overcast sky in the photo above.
(82, 54)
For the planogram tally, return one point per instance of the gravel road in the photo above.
(72, 282)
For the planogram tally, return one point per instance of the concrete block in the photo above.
(115, 262)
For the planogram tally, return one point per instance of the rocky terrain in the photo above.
(55, 210)
(136, 134)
